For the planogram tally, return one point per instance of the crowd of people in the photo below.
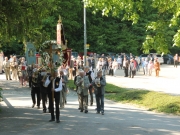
(109, 65)
(89, 78)
(48, 87)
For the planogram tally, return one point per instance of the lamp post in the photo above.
(85, 34)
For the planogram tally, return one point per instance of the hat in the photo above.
(81, 71)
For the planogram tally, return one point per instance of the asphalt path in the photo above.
(17, 116)
(167, 82)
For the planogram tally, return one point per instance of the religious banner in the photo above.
(59, 33)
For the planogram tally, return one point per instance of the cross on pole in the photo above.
(50, 52)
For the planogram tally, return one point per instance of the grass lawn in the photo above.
(154, 101)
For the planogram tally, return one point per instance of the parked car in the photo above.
(168, 59)
(160, 58)
(143, 56)
(74, 54)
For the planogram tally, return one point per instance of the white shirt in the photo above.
(119, 60)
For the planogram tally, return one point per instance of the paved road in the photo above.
(167, 82)
(17, 117)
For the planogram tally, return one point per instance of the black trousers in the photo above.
(91, 95)
(49, 94)
(111, 72)
(30, 81)
(44, 99)
(35, 91)
(126, 72)
(57, 99)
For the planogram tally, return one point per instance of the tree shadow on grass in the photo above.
(169, 108)
(128, 95)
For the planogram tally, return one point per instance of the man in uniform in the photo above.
(56, 88)
(6, 67)
(83, 86)
(64, 90)
(91, 77)
(35, 89)
(99, 84)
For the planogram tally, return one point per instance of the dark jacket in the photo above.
(103, 84)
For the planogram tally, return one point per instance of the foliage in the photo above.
(109, 24)
(166, 16)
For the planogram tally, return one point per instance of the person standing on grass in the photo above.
(99, 83)
(157, 67)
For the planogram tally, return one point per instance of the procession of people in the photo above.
(50, 88)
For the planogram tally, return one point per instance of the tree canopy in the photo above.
(129, 26)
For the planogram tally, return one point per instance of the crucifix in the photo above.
(60, 43)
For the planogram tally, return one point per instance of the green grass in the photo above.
(71, 85)
(154, 101)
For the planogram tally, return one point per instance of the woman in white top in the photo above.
(99, 64)
(119, 61)
(115, 66)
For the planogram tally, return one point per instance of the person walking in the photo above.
(99, 64)
(63, 93)
(6, 67)
(35, 89)
(138, 63)
(1, 62)
(22, 73)
(114, 66)
(71, 67)
(14, 68)
(90, 76)
(56, 88)
(176, 60)
(83, 86)
(146, 66)
(143, 65)
(157, 67)
(29, 73)
(132, 68)
(110, 67)
(125, 67)
(99, 83)
(119, 61)
(150, 67)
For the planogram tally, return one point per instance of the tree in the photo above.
(167, 13)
